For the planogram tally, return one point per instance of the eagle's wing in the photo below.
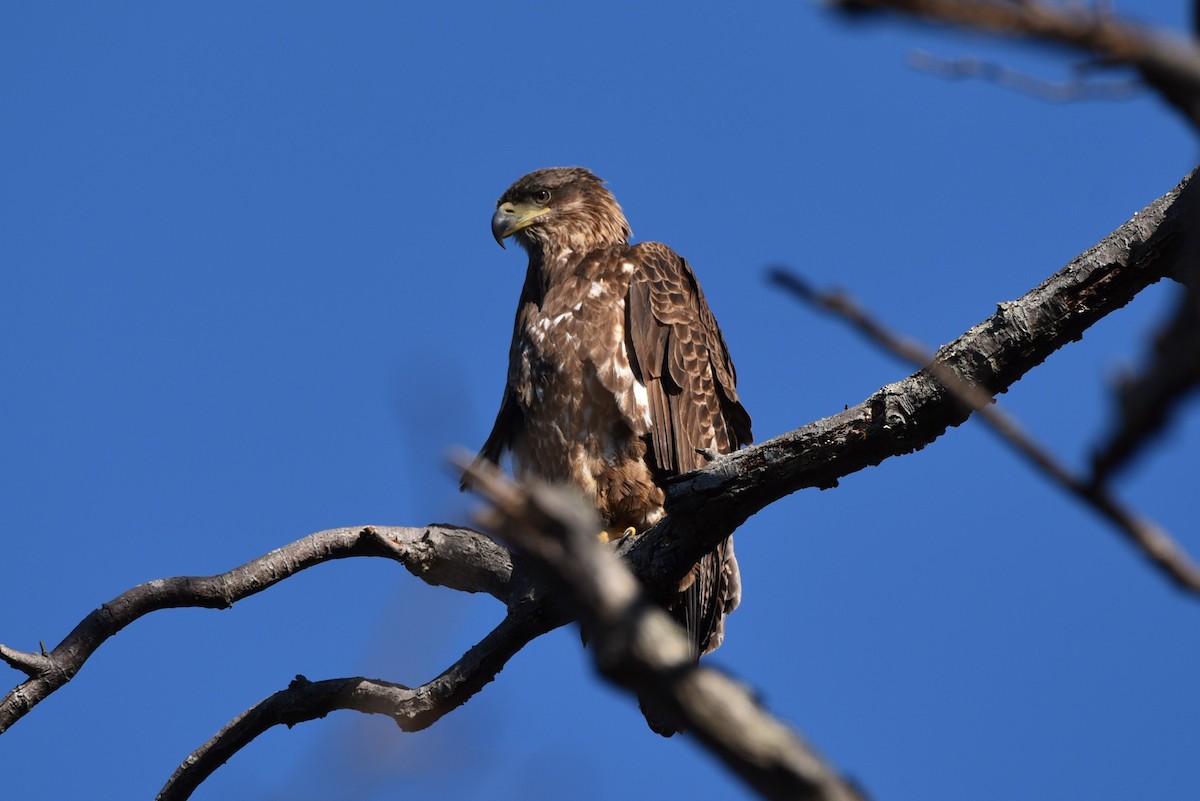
(510, 419)
(677, 351)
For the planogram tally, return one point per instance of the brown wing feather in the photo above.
(510, 419)
(679, 353)
(647, 351)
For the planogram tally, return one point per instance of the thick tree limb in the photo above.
(1168, 63)
(440, 555)
(636, 644)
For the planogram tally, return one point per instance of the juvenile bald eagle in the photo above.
(618, 375)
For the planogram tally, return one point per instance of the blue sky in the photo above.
(249, 292)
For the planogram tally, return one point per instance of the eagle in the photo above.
(618, 376)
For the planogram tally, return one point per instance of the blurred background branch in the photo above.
(1168, 63)
(637, 646)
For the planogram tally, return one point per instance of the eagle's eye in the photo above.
(541, 197)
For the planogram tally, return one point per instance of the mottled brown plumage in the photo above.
(618, 375)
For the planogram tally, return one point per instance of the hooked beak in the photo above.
(510, 218)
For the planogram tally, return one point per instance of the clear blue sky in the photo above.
(248, 292)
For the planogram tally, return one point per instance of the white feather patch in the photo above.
(641, 403)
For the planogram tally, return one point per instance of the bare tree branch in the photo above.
(1154, 543)
(1169, 63)
(413, 709)
(440, 555)
(1051, 91)
(636, 644)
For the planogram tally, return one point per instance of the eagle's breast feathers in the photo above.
(585, 412)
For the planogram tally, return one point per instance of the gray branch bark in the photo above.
(440, 555)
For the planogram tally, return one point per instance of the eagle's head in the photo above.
(560, 209)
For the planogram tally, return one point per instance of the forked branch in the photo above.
(441, 555)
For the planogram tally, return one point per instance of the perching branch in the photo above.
(440, 555)
(637, 646)
(1169, 63)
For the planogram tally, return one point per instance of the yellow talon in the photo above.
(605, 537)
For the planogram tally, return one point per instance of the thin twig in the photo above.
(1169, 63)
(1050, 91)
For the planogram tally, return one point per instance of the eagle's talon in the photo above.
(608, 538)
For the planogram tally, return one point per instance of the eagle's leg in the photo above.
(606, 537)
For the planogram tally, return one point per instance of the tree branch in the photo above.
(1076, 89)
(636, 644)
(440, 555)
(1169, 63)
(413, 709)
(1154, 543)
